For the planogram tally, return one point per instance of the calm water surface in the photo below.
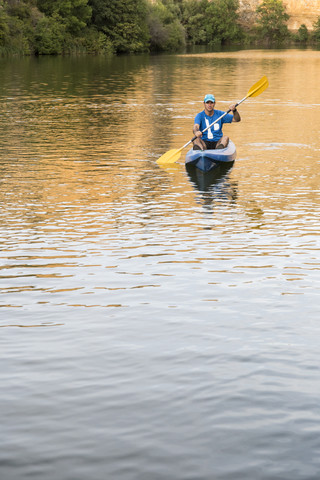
(158, 324)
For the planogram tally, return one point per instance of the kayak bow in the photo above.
(206, 160)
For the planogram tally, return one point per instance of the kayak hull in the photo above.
(207, 160)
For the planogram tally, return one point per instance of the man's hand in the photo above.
(198, 133)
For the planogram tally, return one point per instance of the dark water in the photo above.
(159, 324)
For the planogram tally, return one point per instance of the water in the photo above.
(157, 324)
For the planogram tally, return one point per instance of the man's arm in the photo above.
(196, 130)
(236, 114)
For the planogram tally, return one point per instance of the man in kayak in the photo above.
(213, 137)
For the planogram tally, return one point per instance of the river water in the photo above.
(157, 324)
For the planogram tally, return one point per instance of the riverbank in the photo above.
(63, 28)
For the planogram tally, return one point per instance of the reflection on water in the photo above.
(214, 185)
(179, 310)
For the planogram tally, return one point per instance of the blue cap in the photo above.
(209, 98)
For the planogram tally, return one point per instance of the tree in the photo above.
(302, 35)
(75, 14)
(4, 27)
(18, 19)
(49, 35)
(124, 22)
(272, 21)
(316, 30)
(165, 29)
(221, 18)
(193, 20)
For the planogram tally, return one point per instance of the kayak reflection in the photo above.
(214, 185)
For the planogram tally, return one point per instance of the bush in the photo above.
(176, 36)
(21, 36)
(97, 42)
(49, 35)
(158, 33)
(302, 35)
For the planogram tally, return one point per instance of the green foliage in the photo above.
(165, 30)
(157, 31)
(302, 35)
(194, 21)
(124, 22)
(50, 35)
(96, 42)
(75, 14)
(316, 31)
(4, 27)
(272, 21)
(204, 22)
(50, 27)
(17, 20)
(221, 21)
(176, 36)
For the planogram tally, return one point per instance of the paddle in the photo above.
(173, 155)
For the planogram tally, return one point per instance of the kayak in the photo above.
(206, 160)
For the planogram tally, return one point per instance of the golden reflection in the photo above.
(91, 132)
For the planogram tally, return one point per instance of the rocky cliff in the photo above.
(300, 11)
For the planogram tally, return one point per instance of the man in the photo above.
(213, 137)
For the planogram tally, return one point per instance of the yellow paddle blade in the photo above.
(258, 87)
(170, 157)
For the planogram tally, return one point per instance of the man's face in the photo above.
(209, 106)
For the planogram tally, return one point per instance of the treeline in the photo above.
(44, 27)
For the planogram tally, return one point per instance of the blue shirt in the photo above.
(214, 133)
